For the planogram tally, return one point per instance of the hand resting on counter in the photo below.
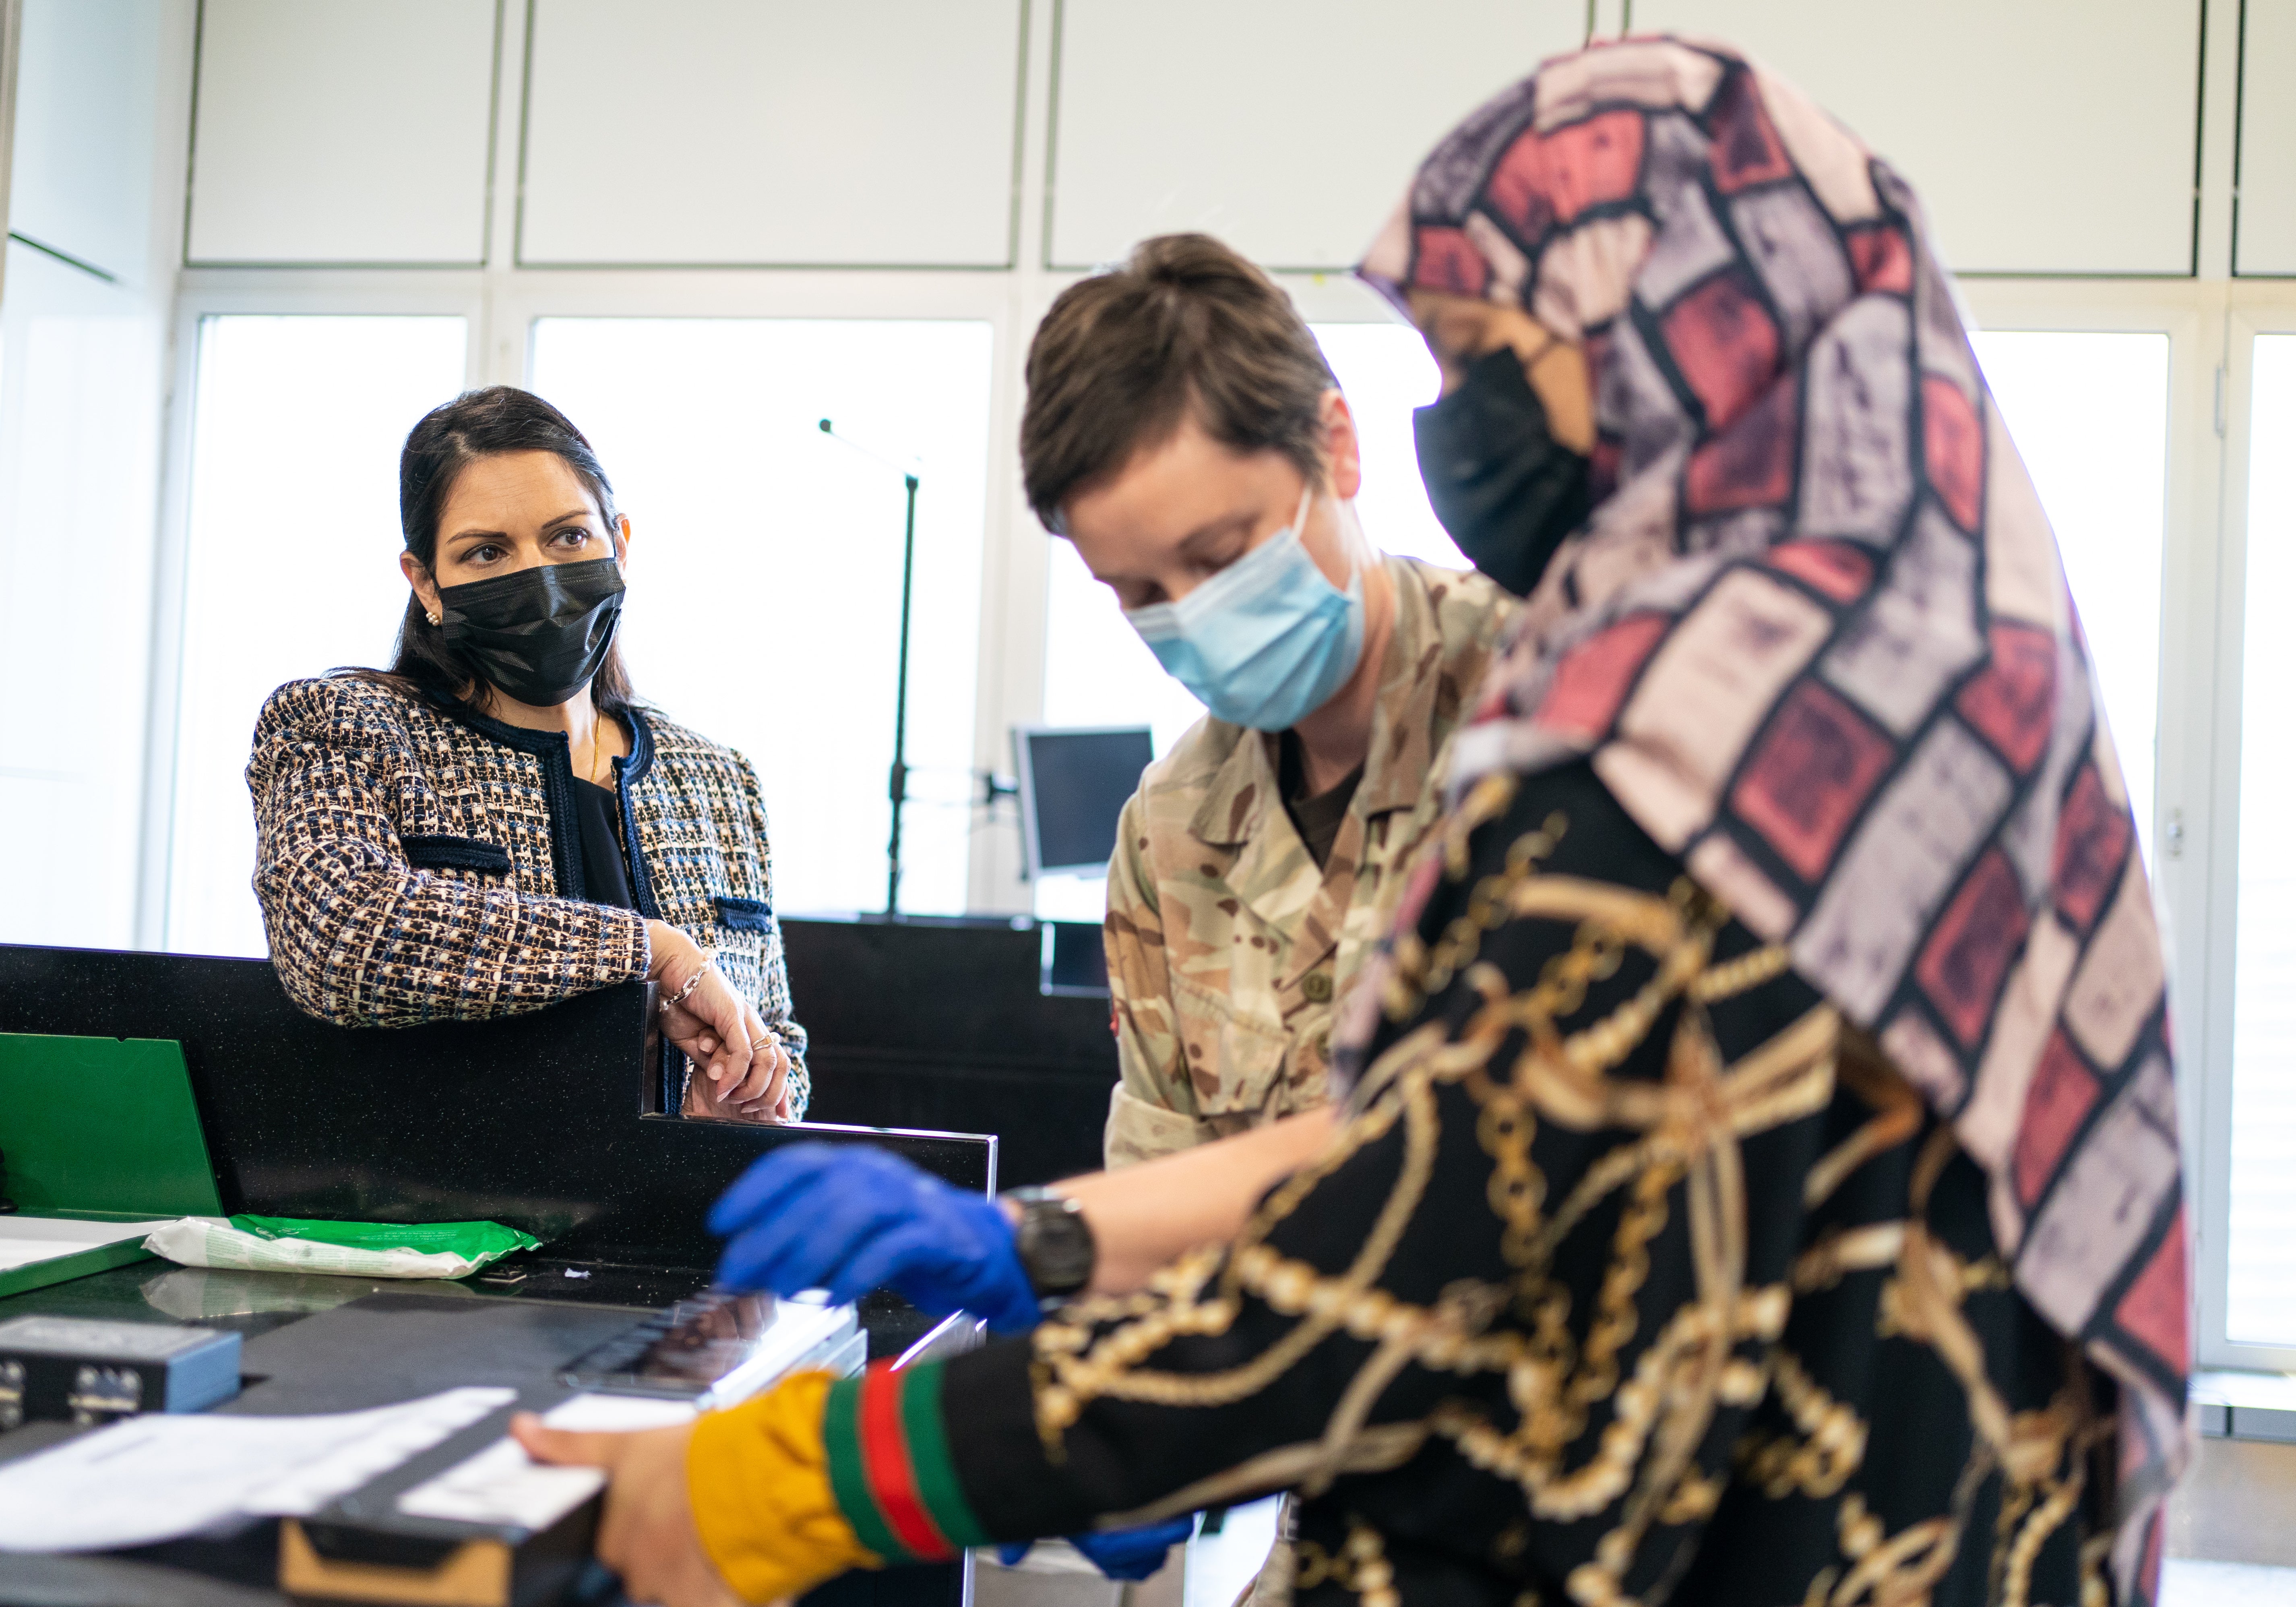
(745, 1068)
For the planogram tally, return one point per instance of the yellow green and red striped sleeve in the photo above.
(887, 1450)
(758, 1484)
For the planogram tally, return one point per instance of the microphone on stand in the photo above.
(897, 780)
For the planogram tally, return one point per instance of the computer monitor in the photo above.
(1073, 786)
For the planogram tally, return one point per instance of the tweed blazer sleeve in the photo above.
(360, 937)
(773, 994)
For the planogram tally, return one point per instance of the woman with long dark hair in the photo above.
(494, 823)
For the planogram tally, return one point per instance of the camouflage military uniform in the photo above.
(1226, 946)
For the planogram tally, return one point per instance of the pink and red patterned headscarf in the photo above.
(1817, 640)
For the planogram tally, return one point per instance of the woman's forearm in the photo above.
(1142, 1216)
(360, 940)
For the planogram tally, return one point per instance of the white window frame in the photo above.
(200, 296)
(2253, 307)
(501, 308)
(2211, 326)
(2182, 787)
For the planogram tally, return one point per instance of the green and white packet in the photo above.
(368, 1250)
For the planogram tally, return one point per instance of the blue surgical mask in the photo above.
(1266, 641)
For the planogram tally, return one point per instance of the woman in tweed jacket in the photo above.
(494, 824)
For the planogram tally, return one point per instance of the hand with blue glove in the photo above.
(849, 1218)
(1130, 1554)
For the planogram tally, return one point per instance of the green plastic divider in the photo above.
(99, 1130)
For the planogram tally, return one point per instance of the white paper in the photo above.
(166, 1475)
(616, 1414)
(1220, 1568)
(407, 1432)
(502, 1484)
(24, 1240)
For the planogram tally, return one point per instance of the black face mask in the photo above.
(1503, 487)
(539, 635)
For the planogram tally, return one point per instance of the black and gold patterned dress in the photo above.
(1633, 1276)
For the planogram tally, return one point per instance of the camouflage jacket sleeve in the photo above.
(1152, 1108)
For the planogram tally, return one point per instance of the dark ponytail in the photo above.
(492, 423)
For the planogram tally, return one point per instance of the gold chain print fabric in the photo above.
(1632, 1277)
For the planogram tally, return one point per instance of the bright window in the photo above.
(291, 563)
(79, 435)
(766, 566)
(2260, 1293)
(1385, 372)
(2090, 410)
(2089, 413)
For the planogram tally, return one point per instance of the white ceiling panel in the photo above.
(87, 86)
(2267, 241)
(769, 132)
(342, 133)
(2044, 136)
(1287, 128)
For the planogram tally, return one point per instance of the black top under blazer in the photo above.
(418, 862)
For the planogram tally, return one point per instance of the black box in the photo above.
(61, 1369)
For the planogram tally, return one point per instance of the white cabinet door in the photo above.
(2044, 136)
(1287, 128)
(2265, 242)
(87, 86)
(342, 134)
(770, 133)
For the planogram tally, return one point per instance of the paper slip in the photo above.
(164, 1476)
(502, 1484)
(24, 1240)
(616, 1414)
(305, 1489)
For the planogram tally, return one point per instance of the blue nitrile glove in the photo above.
(850, 1219)
(1130, 1554)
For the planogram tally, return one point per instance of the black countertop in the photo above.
(317, 1343)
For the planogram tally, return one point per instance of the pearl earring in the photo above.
(431, 617)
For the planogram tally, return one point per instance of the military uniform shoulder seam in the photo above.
(1192, 761)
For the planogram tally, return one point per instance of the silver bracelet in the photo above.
(708, 959)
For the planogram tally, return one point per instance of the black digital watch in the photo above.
(1054, 1244)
